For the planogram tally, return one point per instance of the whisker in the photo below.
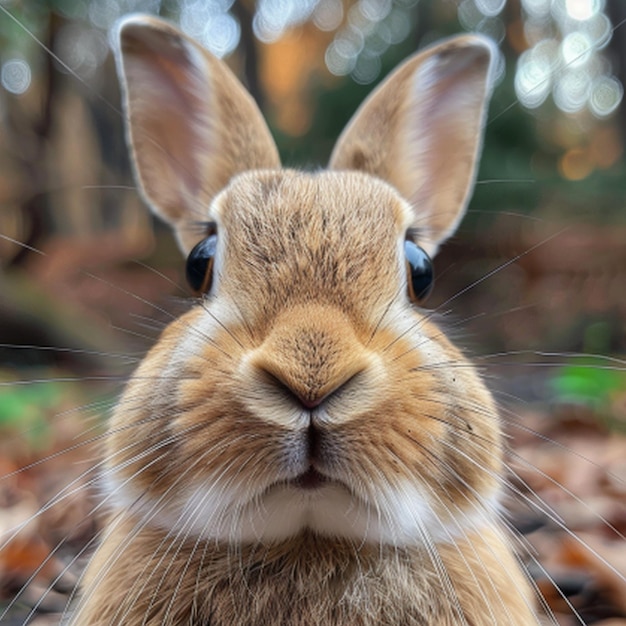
(502, 267)
(99, 353)
(60, 61)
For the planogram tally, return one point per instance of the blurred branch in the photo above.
(424, 21)
(616, 10)
(248, 46)
(35, 164)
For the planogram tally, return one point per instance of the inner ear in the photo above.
(421, 131)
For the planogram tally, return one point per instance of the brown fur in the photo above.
(306, 355)
(306, 582)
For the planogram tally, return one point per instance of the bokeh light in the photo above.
(576, 49)
(565, 57)
(328, 14)
(490, 8)
(571, 91)
(583, 9)
(81, 49)
(606, 95)
(273, 17)
(565, 39)
(533, 78)
(16, 76)
(211, 24)
(370, 28)
(537, 8)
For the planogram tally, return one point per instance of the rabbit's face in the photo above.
(307, 392)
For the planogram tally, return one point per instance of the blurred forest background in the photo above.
(551, 187)
(87, 277)
(552, 184)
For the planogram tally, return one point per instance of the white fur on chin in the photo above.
(399, 517)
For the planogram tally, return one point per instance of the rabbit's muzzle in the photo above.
(311, 357)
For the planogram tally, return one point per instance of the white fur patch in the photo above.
(400, 517)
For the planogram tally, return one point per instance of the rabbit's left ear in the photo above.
(421, 130)
(190, 123)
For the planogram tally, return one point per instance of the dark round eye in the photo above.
(420, 271)
(200, 265)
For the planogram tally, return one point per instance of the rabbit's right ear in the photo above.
(190, 124)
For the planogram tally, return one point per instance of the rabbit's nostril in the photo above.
(306, 391)
(308, 396)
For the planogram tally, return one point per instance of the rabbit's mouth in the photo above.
(311, 479)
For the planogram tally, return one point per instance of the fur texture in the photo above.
(307, 581)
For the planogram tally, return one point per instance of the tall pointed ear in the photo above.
(421, 131)
(190, 124)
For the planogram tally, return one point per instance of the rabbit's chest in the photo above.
(346, 592)
(309, 580)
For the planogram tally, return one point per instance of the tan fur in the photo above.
(307, 354)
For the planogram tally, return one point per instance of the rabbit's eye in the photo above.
(200, 265)
(420, 271)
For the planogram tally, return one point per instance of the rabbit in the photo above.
(304, 446)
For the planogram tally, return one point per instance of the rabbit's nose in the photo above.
(311, 356)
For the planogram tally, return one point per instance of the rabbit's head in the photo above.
(306, 391)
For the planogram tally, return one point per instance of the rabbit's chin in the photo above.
(399, 516)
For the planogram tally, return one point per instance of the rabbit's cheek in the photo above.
(436, 425)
